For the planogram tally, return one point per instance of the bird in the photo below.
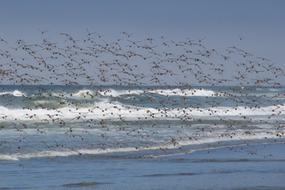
(140, 88)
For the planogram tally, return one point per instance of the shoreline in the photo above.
(253, 166)
(141, 153)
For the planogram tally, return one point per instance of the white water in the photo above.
(165, 92)
(107, 110)
(99, 151)
(15, 93)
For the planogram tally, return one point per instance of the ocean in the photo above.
(87, 137)
(49, 121)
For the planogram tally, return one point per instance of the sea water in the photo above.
(110, 137)
(52, 121)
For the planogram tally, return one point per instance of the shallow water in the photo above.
(252, 166)
(82, 137)
(50, 121)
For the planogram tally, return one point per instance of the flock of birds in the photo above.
(125, 61)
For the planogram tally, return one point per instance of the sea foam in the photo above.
(15, 93)
(116, 110)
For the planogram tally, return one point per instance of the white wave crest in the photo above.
(106, 92)
(116, 93)
(16, 93)
(185, 92)
(68, 152)
(99, 151)
(84, 93)
(108, 110)
(165, 92)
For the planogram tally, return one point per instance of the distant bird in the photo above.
(167, 70)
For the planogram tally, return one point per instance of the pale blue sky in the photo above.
(221, 22)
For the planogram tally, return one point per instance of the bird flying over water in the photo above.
(136, 82)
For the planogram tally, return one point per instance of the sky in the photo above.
(221, 23)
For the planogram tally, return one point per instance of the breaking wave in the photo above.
(115, 93)
(69, 121)
(107, 110)
(163, 147)
(15, 93)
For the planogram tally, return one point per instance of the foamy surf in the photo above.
(164, 92)
(168, 146)
(69, 121)
(15, 93)
(186, 92)
(117, 111)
